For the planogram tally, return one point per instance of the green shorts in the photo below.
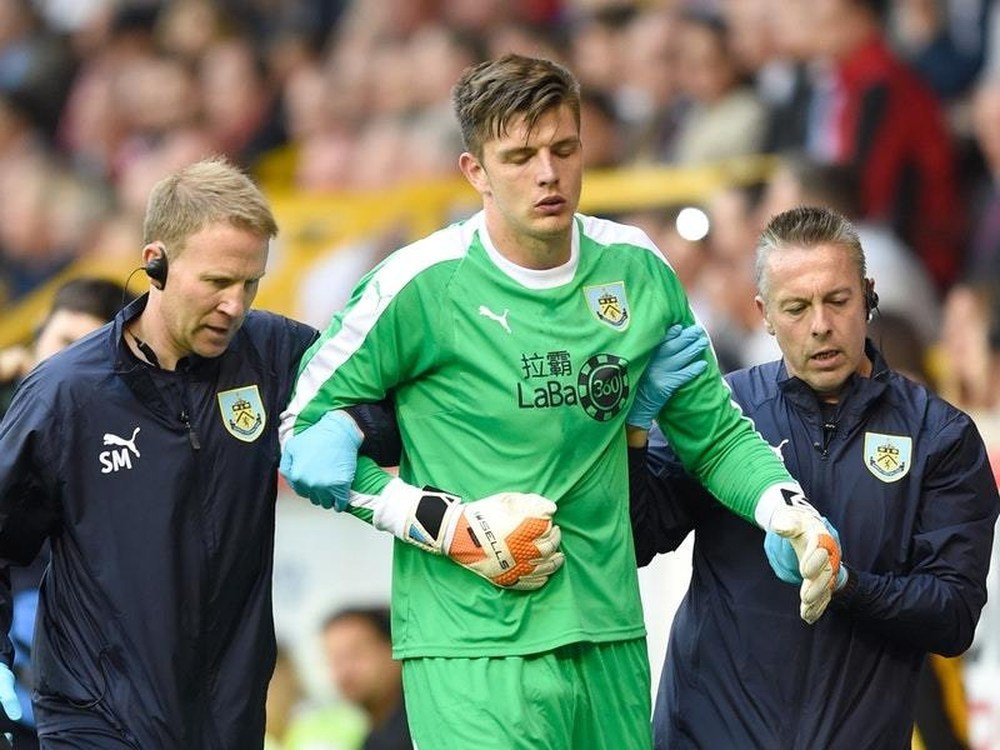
(585, 695)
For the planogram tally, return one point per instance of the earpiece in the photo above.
(871, 300)
(156, 269)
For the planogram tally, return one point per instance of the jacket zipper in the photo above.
(192, 435)
(829, 430)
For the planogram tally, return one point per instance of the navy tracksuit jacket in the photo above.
(904, 478)
(157, 491)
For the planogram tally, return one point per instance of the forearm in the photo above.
(717, 443)
(934, 600)
(924, 611)
(368, 498)
(659, 505)
(639, 502)
(736, 466)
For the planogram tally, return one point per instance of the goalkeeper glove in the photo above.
(319, 462)
(676, 360)
(508, 538)
(816, 549)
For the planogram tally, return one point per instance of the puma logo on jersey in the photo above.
(501, 319)
(381, 297)
(120, 457)
(778, 449)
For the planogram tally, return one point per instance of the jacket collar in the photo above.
(858, 394)
(146, 381)
(126, 361)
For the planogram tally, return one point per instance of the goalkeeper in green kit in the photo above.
(512, 346)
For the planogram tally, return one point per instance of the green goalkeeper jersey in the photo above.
(509, 379)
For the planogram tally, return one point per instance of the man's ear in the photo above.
(763, 312)
(474, 172)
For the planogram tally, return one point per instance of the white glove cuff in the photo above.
(395, 506)
(778, 496)
(398, 510)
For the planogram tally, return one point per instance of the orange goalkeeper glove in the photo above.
(508, 538)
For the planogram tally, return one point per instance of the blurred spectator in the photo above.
(729, 285)
(292, 725)
(473, 15)
(725, 117)
(323, 132)
(19, 134)
(115, 238)
(79, 306)
(369, 713)
(595, 46)
(882, 119)
(600, 131)
(187, 28)
(34, 61)
(970, 345)
(971, 330)
(969, 376)
(46, 215)
(437, 56)
(787, 77)
(358, 646)
(901, 344)
(328, 285)
(525, 39)
(153, 96)
(752, 39)
(688, 256)
(984, 249)
(944, 40)
(646, 94)
(241, 109)
(91, 129)
(284, 698)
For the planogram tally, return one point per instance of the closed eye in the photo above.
(518, 157)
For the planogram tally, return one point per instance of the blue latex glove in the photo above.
(319, 462)
(785, 563)
(677, 359)
(8, 698)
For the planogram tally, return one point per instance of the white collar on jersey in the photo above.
(548, 278)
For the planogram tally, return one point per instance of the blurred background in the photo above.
(701, 118)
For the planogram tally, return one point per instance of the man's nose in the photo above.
(548, 174)
(233, 302)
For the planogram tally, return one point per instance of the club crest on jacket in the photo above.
(888, 457)
(243, 412)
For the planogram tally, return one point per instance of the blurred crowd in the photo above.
(887, 110)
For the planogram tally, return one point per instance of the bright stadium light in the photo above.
(692, 224)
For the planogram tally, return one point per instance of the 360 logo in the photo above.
(603, 386)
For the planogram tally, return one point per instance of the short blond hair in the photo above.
(210, 191)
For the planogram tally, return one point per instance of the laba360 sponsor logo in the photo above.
(601, 387)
